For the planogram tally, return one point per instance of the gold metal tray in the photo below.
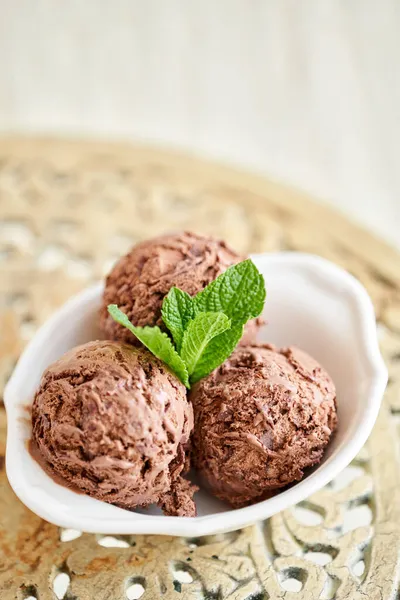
(67, 210)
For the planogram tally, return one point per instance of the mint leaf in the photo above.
(218, 350)
(156, 341)
(239, 293)
(199, 333)
(177, 311)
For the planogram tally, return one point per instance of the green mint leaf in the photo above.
(177, 311)
(218, 350)
(156, 341)
(199, 333)
(239, 293)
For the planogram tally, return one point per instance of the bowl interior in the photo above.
(306, 306)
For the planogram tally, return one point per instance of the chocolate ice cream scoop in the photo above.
(113, 422)
(140, 280)
(261, 419)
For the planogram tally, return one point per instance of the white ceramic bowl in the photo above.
(311, 303)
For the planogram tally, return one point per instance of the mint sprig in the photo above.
(205, 328)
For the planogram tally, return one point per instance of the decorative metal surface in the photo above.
(68, 210)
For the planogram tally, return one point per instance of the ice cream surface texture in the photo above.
(261, 418)
(141, 279)
(113, 422)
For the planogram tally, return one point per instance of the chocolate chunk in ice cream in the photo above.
(113, 422)
(141, 279)
(261, 419)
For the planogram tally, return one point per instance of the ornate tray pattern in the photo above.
(68, 210)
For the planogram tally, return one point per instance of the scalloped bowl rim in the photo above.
(230, 519)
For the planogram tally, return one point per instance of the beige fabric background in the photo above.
(308, 92)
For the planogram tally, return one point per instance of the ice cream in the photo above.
(261, 419)
(113, 422)
(140, 280)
